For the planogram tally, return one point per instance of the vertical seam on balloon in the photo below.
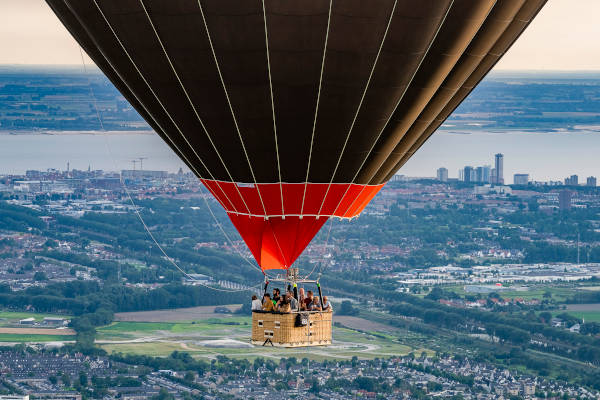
(399, 101)
(212, 49)
(463, 52)
(387, 28)
(317, 106)
(185, 92)
(273, 107)
(158, 101)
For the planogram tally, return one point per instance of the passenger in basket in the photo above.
(293, 302)
(268, 303)
(276, 295)
(316, 304)
(308, 300)
(283, 306)
(326, 306)
(256, 305)
(301, 298)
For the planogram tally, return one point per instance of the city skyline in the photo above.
(486, 174)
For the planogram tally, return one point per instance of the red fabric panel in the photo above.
(271, 196)
(251, 230)
(314, 197)
(343, 200)
(307, 229)
(362, 199)
(251, 197)
(277, 241)
(292, 197)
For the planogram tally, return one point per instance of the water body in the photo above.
(544, 155)
(110, 152)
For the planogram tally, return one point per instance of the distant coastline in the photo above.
(493, 130)
(67, 133)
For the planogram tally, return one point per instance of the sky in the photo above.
(564, 36)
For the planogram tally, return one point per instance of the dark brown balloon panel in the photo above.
(292, 111)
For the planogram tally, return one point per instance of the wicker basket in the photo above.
(278, 329)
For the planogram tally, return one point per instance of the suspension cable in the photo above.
(273, 107)
(158, 100)
(392, 113)
(233, 115)
(314, 126)
(364, 94)
(323, 253)
(194, 108)
(130, 198)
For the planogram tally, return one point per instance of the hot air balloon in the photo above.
(294, 111)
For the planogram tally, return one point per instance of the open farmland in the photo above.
(15, 316)
(207, 336)
(559, 291)
(346, 344)
(31, 338)
(11, 331)
(587, 312)
(37, 331)
(175, 315)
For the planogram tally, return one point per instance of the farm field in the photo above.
(210, 328)
(175, 315)
(11, 332)
(230, 336)
(205, 334)
(32, 338)
(528, 292)
(15, 316)
(583, 307)
(37, 331)
(587, 312)
(591, 288)
(587, 316)
(346, 344)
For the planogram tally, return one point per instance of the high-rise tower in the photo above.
(442, 174)
(499, 164)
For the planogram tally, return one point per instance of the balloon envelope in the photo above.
(294, 111)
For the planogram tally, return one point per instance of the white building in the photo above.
(521, 179)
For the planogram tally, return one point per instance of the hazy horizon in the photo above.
(562, 37)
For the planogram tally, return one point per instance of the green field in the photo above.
(17, 315)
(26, 338)
(161, 339)
(210, 328)
(588, 316)
(559, 293)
